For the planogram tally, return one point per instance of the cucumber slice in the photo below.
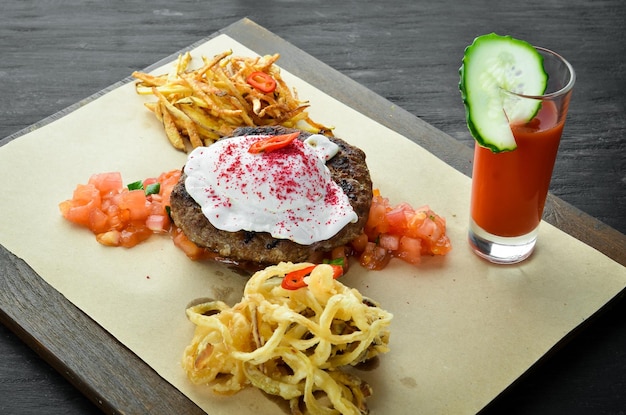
(492, 65)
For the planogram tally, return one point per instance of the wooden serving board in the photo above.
(116, 379)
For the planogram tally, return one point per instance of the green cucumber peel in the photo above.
(493, 65)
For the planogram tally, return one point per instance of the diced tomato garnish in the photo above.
(397, 219)
(98, 221)
(400, 231)
(86, 194)
(86, 197)
(374, 257)
(151, 180)
(409, 250)
(360, 242)
(118, 216)
(107, 183)
(133, 234)
(193, 251)
(168, 180)
(135, 202)
(376, 221)
(110, 238)
(158, 223)
(389, 241)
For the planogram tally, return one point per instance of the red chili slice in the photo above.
(262, 81)
(272, 143)
(295, 279)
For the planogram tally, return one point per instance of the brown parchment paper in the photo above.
(463, 330)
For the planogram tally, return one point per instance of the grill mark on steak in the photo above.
(272, 244)
(348, 169)
(249, 236)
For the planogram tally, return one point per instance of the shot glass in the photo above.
(509, 189)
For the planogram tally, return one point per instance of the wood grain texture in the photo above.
(55, 54)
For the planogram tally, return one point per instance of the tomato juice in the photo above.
(509, 188)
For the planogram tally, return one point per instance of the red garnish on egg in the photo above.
(272, 143)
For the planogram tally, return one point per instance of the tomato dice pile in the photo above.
(117, 215)
(125, 216)
(400, 231)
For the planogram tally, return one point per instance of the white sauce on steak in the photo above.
(288, 192)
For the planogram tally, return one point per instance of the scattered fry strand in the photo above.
(198, 107)
(289, 343)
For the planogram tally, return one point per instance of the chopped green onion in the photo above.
(135, 185)
(153, 189)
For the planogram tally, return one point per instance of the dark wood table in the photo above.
(57, 53)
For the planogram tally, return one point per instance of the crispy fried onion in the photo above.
(289, 343)
(197, 107)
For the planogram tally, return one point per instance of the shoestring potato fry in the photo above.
(197, 107)
(289, 343)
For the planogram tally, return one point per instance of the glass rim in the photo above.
(562, 91)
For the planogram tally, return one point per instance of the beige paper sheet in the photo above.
(463, 329)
